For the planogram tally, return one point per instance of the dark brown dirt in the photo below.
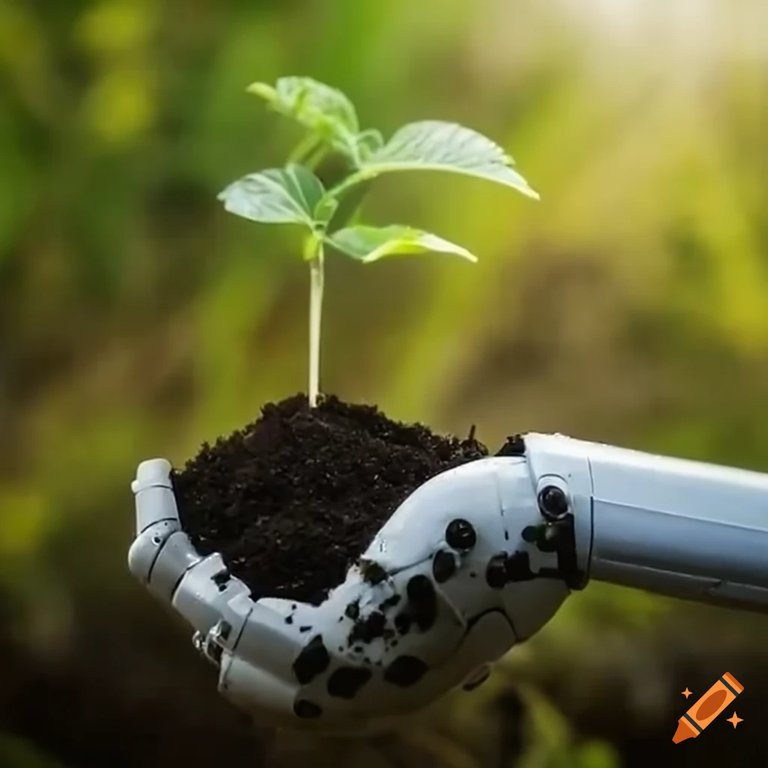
(293, 499)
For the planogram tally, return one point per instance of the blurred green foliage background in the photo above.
(137, 319)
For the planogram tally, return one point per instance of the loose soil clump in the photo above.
(293, 499)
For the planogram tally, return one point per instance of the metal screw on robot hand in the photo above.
(553, 503)
(460, 534)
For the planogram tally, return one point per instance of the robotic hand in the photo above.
(474, 561)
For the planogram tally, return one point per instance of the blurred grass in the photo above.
(137, 319)
(15, 753)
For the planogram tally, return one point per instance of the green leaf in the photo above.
(276, 196)
(368, 142)
(325, 211)
(348, 210)
(322, 109)
(369, 244)
(432, 145)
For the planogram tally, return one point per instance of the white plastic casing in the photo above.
(680, 528)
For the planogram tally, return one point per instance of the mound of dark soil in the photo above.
(296, 497)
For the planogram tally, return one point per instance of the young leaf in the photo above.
(369, 244)
(318, 107)
(432, 145)
(276, 196)
(325, 211)
(368, 142)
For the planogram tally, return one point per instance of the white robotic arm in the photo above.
(474, 561)
(679, 528)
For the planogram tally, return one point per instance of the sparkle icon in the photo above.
(686, 693)
(734, 719)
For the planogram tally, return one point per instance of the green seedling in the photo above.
(295, 194)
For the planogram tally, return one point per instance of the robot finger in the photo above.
(161, 553)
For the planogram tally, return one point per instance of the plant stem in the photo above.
(305, 148)
(316, 275)
(309, 152)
